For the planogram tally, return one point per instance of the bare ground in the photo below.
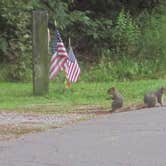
(13, 124)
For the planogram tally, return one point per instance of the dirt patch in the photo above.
(9, 131)
(13, 125)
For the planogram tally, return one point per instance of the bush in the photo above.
(124, 69)
(125, 36)
(153, 39)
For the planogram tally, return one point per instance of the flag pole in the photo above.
(68, 83)
(55, 23)
(69, 42)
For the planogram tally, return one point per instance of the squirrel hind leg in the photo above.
(150, 100)
(116, 105)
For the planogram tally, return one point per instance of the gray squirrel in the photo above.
(117, 99)
(152, 98)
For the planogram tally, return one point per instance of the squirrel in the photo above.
(152, 98)
(117, 103)
(117, 99)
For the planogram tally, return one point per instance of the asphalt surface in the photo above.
(122, 139)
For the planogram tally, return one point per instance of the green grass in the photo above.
(19, 97)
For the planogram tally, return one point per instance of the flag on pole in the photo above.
(59, 56)
(49, 36)
(73, 69)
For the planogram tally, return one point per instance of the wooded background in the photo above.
(113, 40)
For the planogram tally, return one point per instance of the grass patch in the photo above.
(19, 97)
(11, 131)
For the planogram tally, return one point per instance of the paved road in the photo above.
(121, 139)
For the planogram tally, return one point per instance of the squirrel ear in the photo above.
(108, 91)
(113, 88)
(163, 89)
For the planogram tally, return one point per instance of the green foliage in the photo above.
(15, 37)
(125, 35)
(95, 27)
(105, 6)
(153, 38)
(3, 45)
(123, 69)
(95, 32)
(19, 96)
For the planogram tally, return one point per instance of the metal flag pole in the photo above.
(68, 83)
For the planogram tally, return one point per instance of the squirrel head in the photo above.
(111, 91)
(163, 90)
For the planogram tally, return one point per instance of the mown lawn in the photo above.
(19, 97)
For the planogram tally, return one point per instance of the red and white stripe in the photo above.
(73, 71)
(58, 60)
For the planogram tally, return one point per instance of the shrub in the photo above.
(125, 36)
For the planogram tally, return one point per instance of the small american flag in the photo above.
(73, 69)
(59, 56)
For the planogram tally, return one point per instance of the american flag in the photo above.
(73, 69)
(59, 56)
